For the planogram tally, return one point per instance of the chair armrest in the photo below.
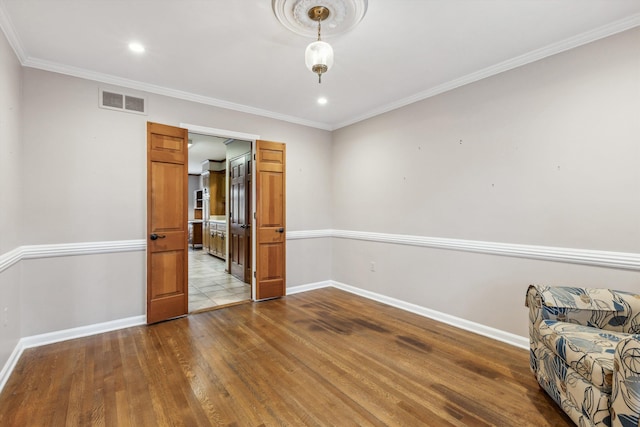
(598, 308)
(625, 394)
(630, 319)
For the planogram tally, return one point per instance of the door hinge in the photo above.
(254, 274)
(254, 215)
(254, 156)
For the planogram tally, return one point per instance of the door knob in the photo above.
(280, 230)
(154, 236)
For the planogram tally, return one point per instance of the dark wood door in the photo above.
(167, 232)
(270, 220)
(240, 217)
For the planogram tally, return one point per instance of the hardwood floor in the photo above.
(320, 358)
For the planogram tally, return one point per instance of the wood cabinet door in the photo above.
(270, 219)
(167, 232)
(217, 190)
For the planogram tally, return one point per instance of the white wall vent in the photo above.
(123, 102)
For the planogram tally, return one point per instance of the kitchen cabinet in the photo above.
(217, 236)
(206, 239)
(215, 182)
(198, 204)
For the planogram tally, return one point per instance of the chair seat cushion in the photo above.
(589, 351)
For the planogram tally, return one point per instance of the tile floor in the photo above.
(210, 285)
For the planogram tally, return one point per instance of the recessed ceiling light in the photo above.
(136, 47)
(322, 100)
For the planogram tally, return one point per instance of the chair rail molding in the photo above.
(69, 249)
(617, 260)
(589, 257)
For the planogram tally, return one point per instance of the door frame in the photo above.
(224, 133)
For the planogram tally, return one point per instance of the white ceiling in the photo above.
(205, 147)
(237, 55)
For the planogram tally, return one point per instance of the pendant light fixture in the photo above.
(310, 17)
(319, 55)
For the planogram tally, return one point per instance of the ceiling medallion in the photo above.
(343, 16)
(305, 17)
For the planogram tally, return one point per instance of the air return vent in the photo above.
(123, 102)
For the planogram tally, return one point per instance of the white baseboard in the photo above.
(8, 367)
(308, 287)
(67, 334)
(467, 325)
(83, 331)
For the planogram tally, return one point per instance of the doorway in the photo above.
(168, 220)
(212, 217)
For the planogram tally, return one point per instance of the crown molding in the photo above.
(527, 58)
(55, 67)
(552, 49)
(12, 37)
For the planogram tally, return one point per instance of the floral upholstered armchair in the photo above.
(585, 352)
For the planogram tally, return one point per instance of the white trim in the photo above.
(10, 365)
(308, 287)
(552, 49)
(589, 257)
(309, 234)
(55, 67)
(223, 133)
(460, 323)
(12, 37)
(467, 325)
(527, 58)
(84, 248)
(64, 335)
(82, 331)
(618, 260)
(99, 328)
(69, 249)
(10, 258)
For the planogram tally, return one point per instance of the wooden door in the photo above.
(240, 217)
(167, 186)
(270, 220)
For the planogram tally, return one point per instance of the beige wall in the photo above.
(545, 154)
(88, 166)
(11, 187)
(11, 191)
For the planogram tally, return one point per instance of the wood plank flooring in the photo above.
(318, 358)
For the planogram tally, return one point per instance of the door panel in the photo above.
(166, 266)
(168, 181)
(240, 221)
(167, 186)
(270, 220)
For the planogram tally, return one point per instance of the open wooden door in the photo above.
(240, 217)
(270, 220)
(167, 186)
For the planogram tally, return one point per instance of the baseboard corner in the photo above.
(10, 365)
